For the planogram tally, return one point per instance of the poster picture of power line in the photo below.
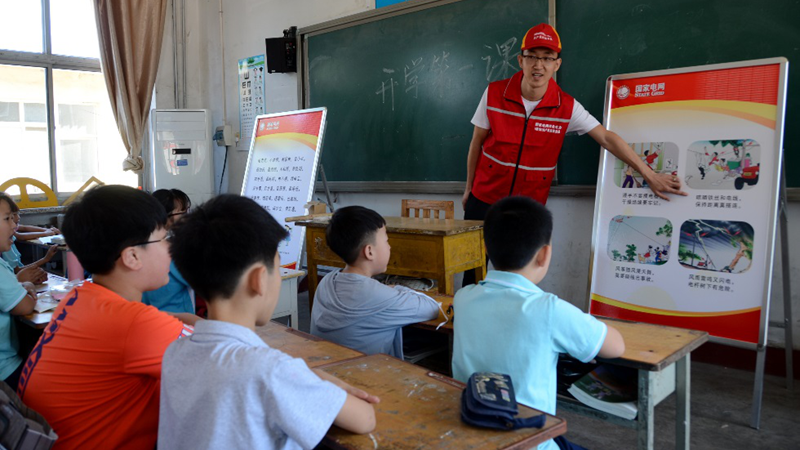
(662, 157)
(716, 245)
(640, 240)
(731, 164)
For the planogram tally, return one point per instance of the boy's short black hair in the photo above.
(167, 199)
(106, 221)
(11, 203)
(350, 229)
(214, 244)
(515, 229)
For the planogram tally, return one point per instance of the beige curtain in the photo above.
(130, 34)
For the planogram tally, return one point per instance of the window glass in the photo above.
(22, 26)
(73, 28)
(35, 112)
(24, 152)
(87, 138)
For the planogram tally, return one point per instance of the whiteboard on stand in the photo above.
(282, 170)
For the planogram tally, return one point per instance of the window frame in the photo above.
(49, 62)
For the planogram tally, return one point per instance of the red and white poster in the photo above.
(282, 169)
(703, 261)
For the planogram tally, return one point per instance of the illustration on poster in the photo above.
(724, 164)
(661, 157)
(641, 240)
(716, 245)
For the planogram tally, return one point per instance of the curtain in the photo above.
(130, 34)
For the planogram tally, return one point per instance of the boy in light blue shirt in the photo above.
(15, 299)
(507, 324)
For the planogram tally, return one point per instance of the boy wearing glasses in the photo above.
(95, 372)
(519, 128)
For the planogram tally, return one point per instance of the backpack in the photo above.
(22, 428)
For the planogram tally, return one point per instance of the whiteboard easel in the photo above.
(719, 128)
(282, 170)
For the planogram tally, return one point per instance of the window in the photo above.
(55, 114)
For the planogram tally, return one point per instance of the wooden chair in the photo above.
(425, 207)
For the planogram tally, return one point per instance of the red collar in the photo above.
(513, 92)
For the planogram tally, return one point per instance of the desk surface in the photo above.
(413, 225)
(647, 346)
(420, 408)
(313, 350)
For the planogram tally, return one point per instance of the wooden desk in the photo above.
(427, 248)
(421, 409)
(662, 356)
(313, 350)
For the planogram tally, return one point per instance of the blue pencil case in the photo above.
(488, 401)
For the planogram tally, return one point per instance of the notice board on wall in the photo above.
(703, 261)
(282, 168)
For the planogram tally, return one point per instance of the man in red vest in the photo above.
(519, 128)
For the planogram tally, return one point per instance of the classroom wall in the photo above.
(248, 22)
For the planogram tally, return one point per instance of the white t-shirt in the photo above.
(225, 388)
(581, 122)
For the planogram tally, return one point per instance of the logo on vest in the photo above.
(542, 35)
(548, 127)
(623, 92)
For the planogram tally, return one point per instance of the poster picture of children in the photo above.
(716, 245)
(640, 240)
(727, 164)
(662, 157)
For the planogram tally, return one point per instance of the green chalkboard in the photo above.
(401, 91)
(603, 38)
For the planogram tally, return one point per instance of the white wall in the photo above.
(248, 22)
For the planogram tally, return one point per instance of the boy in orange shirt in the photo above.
(95, 373)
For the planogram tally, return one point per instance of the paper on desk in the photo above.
(44, 302)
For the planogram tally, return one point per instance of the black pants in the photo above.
(473, 210)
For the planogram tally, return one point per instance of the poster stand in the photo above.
(758, 383)
(281, 170)
(720, 129)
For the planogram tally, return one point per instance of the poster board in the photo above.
(282, 168)
(703, 261)
(251, 93)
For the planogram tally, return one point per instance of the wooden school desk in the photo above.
(428, 248)
(313, 350)
(662, 357)
(421, 409)
(287, 302)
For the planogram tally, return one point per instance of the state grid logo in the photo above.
(623, 92)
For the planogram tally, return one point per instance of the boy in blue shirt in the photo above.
(507, 324)
(355, 310)
(225, 387)
(15, 298)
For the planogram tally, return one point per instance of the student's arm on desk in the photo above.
(357, 414)
(613, 346)
(25, 306)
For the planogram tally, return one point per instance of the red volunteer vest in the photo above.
(520, 154)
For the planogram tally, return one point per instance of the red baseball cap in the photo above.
(542, 35)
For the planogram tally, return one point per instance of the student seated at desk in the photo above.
(353, 309)
(95, 372)
(176, 296)
(507, 324)
(224, 387)
(33, 272)
(15, 299)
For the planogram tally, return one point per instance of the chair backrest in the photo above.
(427, 208)
(24, 198)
